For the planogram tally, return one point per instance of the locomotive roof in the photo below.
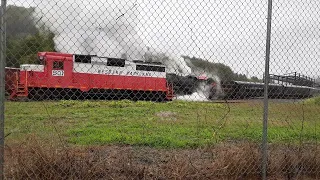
(100, 59)
(54, 54)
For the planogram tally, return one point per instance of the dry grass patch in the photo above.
(241, 160)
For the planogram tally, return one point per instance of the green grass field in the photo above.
(170, 125)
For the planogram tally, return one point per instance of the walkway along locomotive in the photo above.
(71, 76)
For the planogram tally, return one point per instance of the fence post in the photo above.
(266, 103)
(2, 82)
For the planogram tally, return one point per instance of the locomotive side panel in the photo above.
(126, 78)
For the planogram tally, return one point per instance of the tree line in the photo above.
(221, 70)
(24, 39)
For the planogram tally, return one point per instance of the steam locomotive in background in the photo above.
(71, 76)
(186, 85)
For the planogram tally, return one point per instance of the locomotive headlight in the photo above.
(41, 60)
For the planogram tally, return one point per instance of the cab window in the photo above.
(57, 65)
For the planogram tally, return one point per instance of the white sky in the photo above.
(226, 31)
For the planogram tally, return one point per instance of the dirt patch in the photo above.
(167, 115)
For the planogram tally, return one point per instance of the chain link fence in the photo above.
(160, 89)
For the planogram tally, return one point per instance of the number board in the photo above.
(57, 72)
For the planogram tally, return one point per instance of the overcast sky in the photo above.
(226, 31)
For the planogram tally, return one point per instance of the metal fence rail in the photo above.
(2, 82)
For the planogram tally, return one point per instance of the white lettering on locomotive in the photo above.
(117, 71)
(57, 72)
(124, 73)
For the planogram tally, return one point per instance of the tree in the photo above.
(240, 77)
(24, 40)
(223, 71)
(20, 21)
(255, 79)
(24, 50)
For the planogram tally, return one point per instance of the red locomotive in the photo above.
(72, 76)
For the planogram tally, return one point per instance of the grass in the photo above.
(174, 124)
(314, 101)
(193, 140)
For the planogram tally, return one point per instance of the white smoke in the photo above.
(105, 28)
(218, 92)
(109, 29)
(201, 94)
(205, 92)
(174, 64)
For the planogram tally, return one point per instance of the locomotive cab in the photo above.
(58, 70)
(34, 80)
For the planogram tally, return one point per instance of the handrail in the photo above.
(295, 78)
(17, 79)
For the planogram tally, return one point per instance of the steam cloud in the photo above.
(92, 27)
(201, 94)
(106, 29)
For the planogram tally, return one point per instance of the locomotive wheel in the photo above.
(150, 96)
(56, 94)
(161, 97)
(137, 96)
(36, 94)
